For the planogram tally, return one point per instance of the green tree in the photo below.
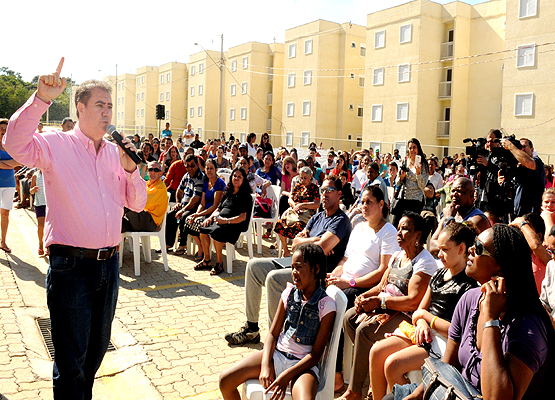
(14, 91)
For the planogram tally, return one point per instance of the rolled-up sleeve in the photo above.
(135, 193)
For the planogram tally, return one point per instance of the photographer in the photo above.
(529, 177)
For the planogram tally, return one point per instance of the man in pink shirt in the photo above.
(87, 183)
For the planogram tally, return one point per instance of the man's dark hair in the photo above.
(374, 166)
(529, 142)
(67, 119)
(191, 157)
(4, 121)
(84, 91)
(537, 223)
(393, 164)
(495, 132)
(336, 181)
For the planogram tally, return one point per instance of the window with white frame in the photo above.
(191, 112)
(526, 55)
(243, 112)
(199, 110)
(167, 115)
(192, 91)
(305, 138)
(353, 45)
(138, 97)
(243, 137)
(232, 114)
(360, 111)
(378, 76)
(359, 141)
(379, 39)
(233, 65)
(307, 77)
(200, 90)
(290, 109)
(306, 107)
(361, 81)
(142, 112)
(201, 68)
(142, 95)
(351, 107)
(119, 101)
(192, 69)
(402, 111)
(161, 97)
(233, 89)
(289, 139)
(168, 77)
(138, 81)
(404, 73)
(167, 96)
(162, 78)
(528, 8)
(352, 76)
(199, 131)
(376, 113)
(244, 88)
(292, 50)
(291, 80)
(362, 50)
(524, 104)
(308, 46)
(405, 33)
(245, 62)
(122, 114)
(137, 112)
(143, 79)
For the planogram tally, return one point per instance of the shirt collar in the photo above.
(85, 141)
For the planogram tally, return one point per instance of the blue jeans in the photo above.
(82, 296)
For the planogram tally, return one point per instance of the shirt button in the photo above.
(298, 340)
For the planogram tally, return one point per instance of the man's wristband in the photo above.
(382, 305)
(492, 323)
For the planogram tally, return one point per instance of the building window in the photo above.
(232, 114)
(291, 80)
(142, 112)
(199, 111)
(379, 39)
(528, 8)
(292, 50)
(122, 114)
(200, 90)
(305, 138)
(244, 88)
(167, 115)
(308, 46)
(289, 139)
(138, 97)
(142, 95)
(233, 89)
(192, 69)
(352, 76)
(191, 112)
(376, 112)
(119, 101)
(361, 81)
(168, 77)
(360, 111)
(233, 65)
(363, 50)
(201, 68)
(162, 78)
(359, 141)
(138, 81)
(378, 76)
(290, 109)
(243, 112)
(306, 107)
(137, 112)
(405, 33)
(243, 137)
(524, 104)
(199, 131)
(143, 79)
(526, 55)
(245, 62)
(192, 91)
(353, 45)
(307, 77)
(167, 96)
(402, 111)
(404, 73)
(351, 107)
(161, 97)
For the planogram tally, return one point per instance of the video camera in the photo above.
(478, 148)
(505, 160)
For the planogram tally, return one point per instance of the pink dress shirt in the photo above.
(85, 191)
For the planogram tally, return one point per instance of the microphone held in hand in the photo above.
(119, 140)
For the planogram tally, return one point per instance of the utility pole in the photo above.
(221, 87)
(116, 102)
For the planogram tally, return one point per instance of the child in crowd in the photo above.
(297, 339)
(37, 188)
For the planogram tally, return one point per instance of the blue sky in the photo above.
(94, 36)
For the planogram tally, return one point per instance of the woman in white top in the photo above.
(250, 144)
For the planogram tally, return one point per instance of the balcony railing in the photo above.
(270, 74)
(269, 101)
(445, 89)
(446, 50)
(443, 128)
(269, 124)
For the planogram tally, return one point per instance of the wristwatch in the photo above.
(352, 282)
(493, 322)
(522, 224)
(383, 306)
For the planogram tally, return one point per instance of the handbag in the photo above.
(442, 381)
(194, 227)
(263, 207)
(290, 216)
(398, 203)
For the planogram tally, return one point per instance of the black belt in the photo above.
(59, 250)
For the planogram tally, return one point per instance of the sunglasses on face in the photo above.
(328, 189)
(481, 250)
(154, 170)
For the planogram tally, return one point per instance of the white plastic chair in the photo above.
(145, 238)
(253, 390)
(273, 192)
(230, 248)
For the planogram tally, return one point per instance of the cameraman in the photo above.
(529, 177)
(493, 197)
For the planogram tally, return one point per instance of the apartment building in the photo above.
(323, 84)
(422, 79)
(172, 93)
(249, 90)
(146, 95)
(528, 80)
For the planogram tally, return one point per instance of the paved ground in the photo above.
(168, 329)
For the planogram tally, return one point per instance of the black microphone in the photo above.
(119, 140)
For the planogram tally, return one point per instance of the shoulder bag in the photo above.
(442, 381)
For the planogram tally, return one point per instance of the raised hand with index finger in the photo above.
(49, 86)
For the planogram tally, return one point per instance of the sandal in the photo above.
(199, 257)
(41, 252)
(218, 269)
(203, 265)
(266, 236)
(6, 248)
(180, 252)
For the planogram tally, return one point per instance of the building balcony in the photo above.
(447, 50)
(270, 74)
(443, 128)
(445, 90)
(269, 124)
(269, 100)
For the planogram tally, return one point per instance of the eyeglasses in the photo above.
(190, 166)
(481, 250)
(328, 189)
(154, 170)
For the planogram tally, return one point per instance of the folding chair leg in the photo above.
(229, 255)
(136, 255)
(259, 230)
(146, 249)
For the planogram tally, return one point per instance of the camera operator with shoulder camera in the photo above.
(529, 177)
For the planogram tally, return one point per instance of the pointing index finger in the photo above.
(60, 65)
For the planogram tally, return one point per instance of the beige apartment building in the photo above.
(323, 84)
(252, 93)
(424, 78)
(528, 79)
(172, 93)
(146, 95)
